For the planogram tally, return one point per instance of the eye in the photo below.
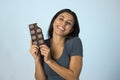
(69, 23)
(61, 19)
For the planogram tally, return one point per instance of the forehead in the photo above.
(66, 15)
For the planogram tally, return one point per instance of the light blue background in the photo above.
(99, 22)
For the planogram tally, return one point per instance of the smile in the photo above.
(61, 28)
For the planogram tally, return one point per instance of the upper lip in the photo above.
(61, 28)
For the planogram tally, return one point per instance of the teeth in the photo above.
(61, 28)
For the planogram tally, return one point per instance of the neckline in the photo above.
(61, 52)
(60, 55)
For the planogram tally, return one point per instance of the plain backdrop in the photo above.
(99, 23)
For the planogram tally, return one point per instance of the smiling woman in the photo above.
(63, 24)
(62, 52)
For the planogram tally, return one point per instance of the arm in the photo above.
(39, 72)
(71, 73)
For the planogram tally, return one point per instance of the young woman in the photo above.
(62, 52)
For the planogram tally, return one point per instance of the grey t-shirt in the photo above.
(72, 47)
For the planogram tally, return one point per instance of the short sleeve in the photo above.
(75, 47)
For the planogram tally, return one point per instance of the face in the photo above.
(63, 24)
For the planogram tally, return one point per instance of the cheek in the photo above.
(54, 26)
(69, 28)
(54, 23)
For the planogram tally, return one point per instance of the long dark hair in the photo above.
(75, 29)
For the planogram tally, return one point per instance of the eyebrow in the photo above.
(68, 20)
(61, 16)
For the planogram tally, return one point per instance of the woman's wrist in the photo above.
(50, 62)
(37, 61)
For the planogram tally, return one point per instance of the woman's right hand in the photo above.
(34, 51)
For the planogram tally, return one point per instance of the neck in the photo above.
(57, 40)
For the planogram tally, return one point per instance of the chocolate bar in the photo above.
(36, 34)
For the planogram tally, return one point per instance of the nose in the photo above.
(63, 23)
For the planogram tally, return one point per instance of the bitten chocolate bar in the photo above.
(36, 34)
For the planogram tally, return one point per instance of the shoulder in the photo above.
(74, 40)
(74, 46)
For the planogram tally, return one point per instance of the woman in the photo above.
(62, 52)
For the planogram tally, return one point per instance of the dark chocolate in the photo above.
(36, 34)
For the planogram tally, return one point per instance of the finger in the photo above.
(45, 48)
(34, 46)
(46, 52)
(43, 45)
(43, 53)
(34, 50)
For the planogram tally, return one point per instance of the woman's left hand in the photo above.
(45, 51)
